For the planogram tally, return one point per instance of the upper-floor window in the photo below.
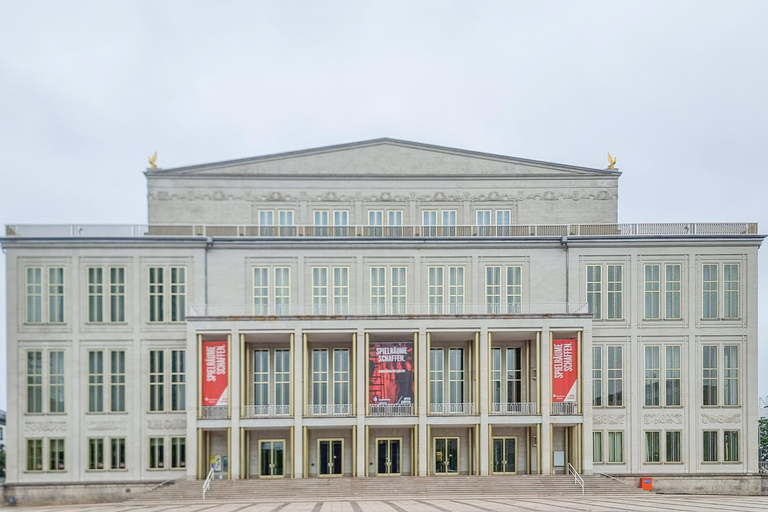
(446, 387)
(35, 380)
(439, 222)
(339, 219)
(605, 291)
(272, 379)
(711, 377)
(607, 375)
(167, 291)
(717, 277)
(506, 378)
(330, 290)
(504, 285)
(730, 446)
(271, 285)
(381, 222)
(158, 379)
(665, 299)
(330, 378)
(445, 286)
(664, 363)
(44, 299)
(272, 223)
(106, 294)
(493, 222)
(99, 374)
(390, 295)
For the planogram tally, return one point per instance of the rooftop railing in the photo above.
(406, 309)
(385, 232)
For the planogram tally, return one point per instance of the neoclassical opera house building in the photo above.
(380, 308)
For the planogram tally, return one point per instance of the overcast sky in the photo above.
(675, 89)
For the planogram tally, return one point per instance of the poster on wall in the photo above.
(215, 373)
(390, 373)
(564, 371)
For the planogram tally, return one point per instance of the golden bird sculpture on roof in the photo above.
(153, 160)
(611, 161)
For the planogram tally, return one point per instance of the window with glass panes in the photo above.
(731, 375)
(397, 290)
(615, 376)
(156, 380)
(447, 386)
(597, 446)
(709, 374)
(597, 376)
(330, 376)
(156, 453)
(106, 294)
(167, 292)
(56, 455)
(35, 299)
(445, 285)
(504, 285)
(673, 375)
(709, 439)
(260, 291)
(436, 375)
(178, 452)
(653, 446)
(283, 380)
(325, 291)
(56, 295)
(378, 290)
(282, 290)
(34, 454)
(595, 290)
(178, 380)
(709, 290)
(715, 305)
(731, 291)
(117, 453)
(34, 295)
(673, 446)
(616, 446)
(506, 377)
(56, 382)
(34, 381)
(96, 454)
(95, 381)
(652, 375)
(261, 378)
(117, 381)
(731, 446)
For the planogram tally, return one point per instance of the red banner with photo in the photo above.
(215, 375)
(564, 370)
(390, 367)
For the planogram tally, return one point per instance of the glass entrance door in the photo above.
(388, 456)
(504, 450)
(271, 458)
(446, 455)
(331, 457)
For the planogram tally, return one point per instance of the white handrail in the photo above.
(576, 477)
(207, 483)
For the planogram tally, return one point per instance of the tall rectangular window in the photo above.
(261, 377)
(597, 376)
(341, 290)
(652, 291)
(178, 294)
(597, 446)
(117, 456)
(156, 380)
(730, 291)
(652, 375)
(709, 291)
(95, 381)
(731, 446)
(320, 377)
(615, 285)
(56, 382)
(436, 375)
(95, 294)
(496, 375)
(117, 381)
(156, 294)
(117, 294)
(484, 223)
(709, 438)
(56, 295)
(615, 446)
(673, 381)
(56, 454)
(378, 290)
(34, 381)
(674, 446)
(34, 286)
(493, 289)
(731, 375)
(709, 374)
(456, 375)
(178, 452)
(653, 446)
(285, 220)
(341, 376)
(435, 290)
(156, 453)
(266, 223)
(282, 290)
(95, 454)
(319, 290)
(673, 287)
(178, 380)
(594, 290)
(398, 291)
(514, 289)
(283, 378)
(260, 291)
(615, 376)
(34, 454)
(456, 289)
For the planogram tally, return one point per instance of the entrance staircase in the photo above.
(387, 488)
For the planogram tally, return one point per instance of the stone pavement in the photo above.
(649, 502)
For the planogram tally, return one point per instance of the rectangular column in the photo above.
(235, 398)
(545, 384)
(361, 405)
(423, 400)
(298, 353)
(483, 382)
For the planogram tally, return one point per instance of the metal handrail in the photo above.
(576, 477)
(161, 484)
(207, 483)
(612, 478)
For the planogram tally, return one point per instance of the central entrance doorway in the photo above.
(331, 457)
(446, 455)
(388, 456)
(504, 452)
(272, 458)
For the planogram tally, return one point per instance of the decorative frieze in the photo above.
(100, 425)
(167, 424)
(708, 419)
(608, 419)
(50, 426)
(663, 419)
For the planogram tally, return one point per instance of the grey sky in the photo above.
(677, 90)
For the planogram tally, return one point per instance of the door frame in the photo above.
(317, 456)
(458, 455)
(376, 452)
(517, 445)
(261, 441)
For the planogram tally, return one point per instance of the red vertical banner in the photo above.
(564, 370)
(390, 373)
(215, 375)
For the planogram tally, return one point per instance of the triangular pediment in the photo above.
(381, 157)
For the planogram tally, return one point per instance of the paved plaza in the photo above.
(650, 502)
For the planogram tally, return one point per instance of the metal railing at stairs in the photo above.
(207, 483)
(577, 480)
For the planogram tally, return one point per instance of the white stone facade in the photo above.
(466, 256)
